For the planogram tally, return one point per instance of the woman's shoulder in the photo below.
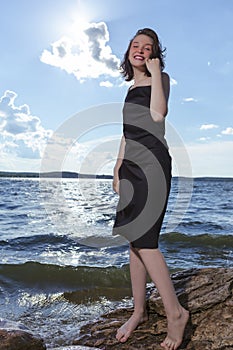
(165, 76)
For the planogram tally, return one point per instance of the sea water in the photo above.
(60, 265)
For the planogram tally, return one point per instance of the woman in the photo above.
(144, 168)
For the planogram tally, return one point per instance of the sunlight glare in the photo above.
(81, 17)
(78, 26)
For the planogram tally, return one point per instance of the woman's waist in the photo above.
(145, 155)
(135, 142)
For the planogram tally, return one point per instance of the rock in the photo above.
(206, 293)
(15, 336)
(74, 347)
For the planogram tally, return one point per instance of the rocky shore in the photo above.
(206, 293)
(15, 336)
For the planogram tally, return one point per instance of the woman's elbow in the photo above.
(159, 116)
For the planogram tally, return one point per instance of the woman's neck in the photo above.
(141, 79)
(139, 75)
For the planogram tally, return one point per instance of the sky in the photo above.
(61, 92)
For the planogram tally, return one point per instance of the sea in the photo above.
(60, 265)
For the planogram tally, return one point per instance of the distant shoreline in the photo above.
(53, 174)
(74, 175)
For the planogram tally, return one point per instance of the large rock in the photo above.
(74, 347)
(15, 336)
(206, 293)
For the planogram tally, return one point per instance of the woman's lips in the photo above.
(138, 57)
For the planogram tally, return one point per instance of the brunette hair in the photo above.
(157, 52)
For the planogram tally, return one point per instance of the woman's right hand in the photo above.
(115, 183)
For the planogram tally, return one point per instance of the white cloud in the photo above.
(23, 140)
(86, 56)
(125, 83)
(173, 82)
(21, 133)
(92, 156)
(204, 138)
(106, 84)
(208, 126)
(189, 99)
(228, 131)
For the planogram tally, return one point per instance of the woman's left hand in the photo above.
(153, 65)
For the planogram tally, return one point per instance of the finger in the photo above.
(116, 187)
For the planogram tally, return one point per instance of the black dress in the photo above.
(145, 173)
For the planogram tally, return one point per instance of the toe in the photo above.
(125, 337)
(164, 345)
(119, 335)
(168, 344)
(122, 336)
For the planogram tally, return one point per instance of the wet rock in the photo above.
(206, 293)
(15, 336)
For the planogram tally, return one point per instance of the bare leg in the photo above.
(177, 316)
(138, 280)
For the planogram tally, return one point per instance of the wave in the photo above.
(88, 282)
(58, 241)
(64, 243)
(50, 277)
(36, 239)
(216, 240)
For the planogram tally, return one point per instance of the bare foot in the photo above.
(175, 331)
(128, 327)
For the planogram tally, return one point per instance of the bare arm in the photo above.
(121, 152)
(119, 160)
(160, 89)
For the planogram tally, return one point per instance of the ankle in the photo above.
(177, 313)
(140, 312)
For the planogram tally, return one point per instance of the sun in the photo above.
(80, 18)
(82, 14)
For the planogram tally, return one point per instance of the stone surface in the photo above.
(74, 347)
(206, 293)
(15, 336)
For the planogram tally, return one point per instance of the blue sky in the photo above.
(60, 57)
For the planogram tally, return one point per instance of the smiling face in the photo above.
(145, 44)
(140, 50)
